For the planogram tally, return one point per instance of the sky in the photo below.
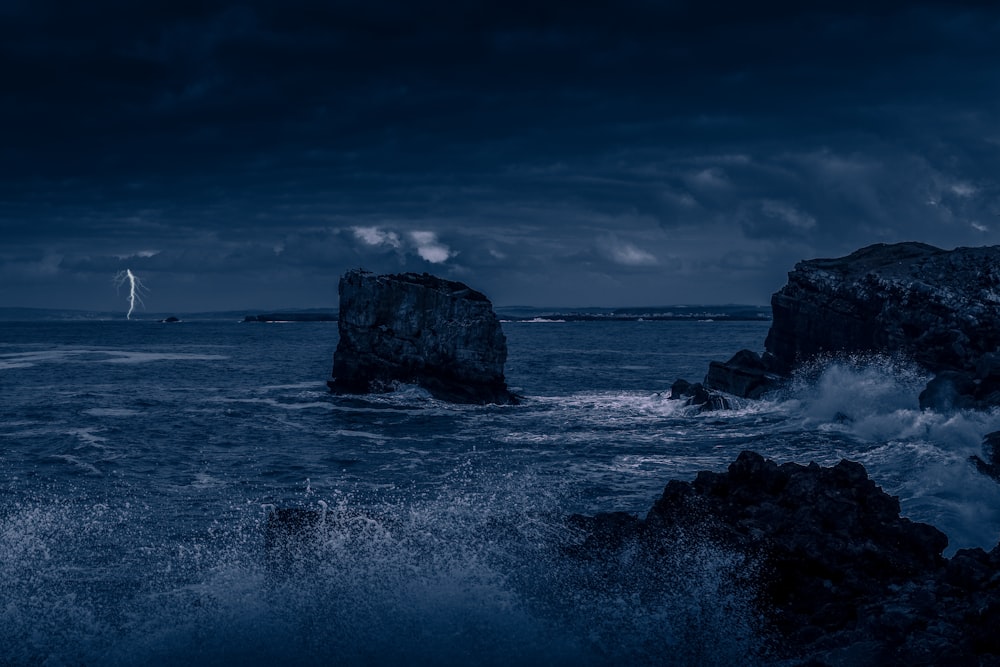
(244, 155)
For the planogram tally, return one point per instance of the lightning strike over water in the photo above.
(135, 289)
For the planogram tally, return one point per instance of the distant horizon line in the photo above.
(335, 309)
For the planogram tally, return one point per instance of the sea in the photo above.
(140, 460)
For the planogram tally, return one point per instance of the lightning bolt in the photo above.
(135, 289)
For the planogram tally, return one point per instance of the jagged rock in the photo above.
(989, 464)
(746, 375)
(939, 307)
(842, 578)
(697, 394)
(418, 329)
(948, 390)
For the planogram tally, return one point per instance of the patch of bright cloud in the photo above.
(429, 248)
(980, 227)
(627, 254)
(788, 213)
(963, 190)
(139, 253)
(710, 179)
(374, 236)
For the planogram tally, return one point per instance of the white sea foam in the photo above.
(111, 412)
(83, 466)
(135, 357)
(920, 455)
(78, 355)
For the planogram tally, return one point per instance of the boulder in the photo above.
(948, 390)
(938, 307)
(989, 464)
(746, 375)
(697, 395)
(419, 329)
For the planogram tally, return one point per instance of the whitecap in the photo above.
(110, 412)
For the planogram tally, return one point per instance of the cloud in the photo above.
(963, 190)
(624, 253)
(374, 236)
(787, 213)
(429, 248)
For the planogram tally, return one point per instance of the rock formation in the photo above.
(697, 395)
(747, 374)
(940, 308)
(991, 453)
(418, 329)
(840, 577)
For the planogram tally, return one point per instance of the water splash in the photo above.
(135, 289)
(475, 575)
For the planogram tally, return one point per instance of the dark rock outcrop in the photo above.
(418, 329)
(746, 374)
(698, 395)
(989, 463)
(842, 578)
(940, 308)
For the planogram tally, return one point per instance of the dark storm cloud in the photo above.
(646, 152)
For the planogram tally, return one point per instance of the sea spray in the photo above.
(477, 574)
(920, 455)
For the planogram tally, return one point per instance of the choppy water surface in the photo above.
(138, 460)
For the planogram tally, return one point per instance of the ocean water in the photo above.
(139, 461)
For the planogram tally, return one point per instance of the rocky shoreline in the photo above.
(939, 308)
(841, 578)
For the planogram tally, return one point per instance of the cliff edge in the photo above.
(940, 308)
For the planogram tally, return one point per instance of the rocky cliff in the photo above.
(418, 329)
(940, 308)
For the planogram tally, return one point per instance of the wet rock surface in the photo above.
(697, 395)
(746, 374)
(841, 578)
(418, 329)
(938, 307)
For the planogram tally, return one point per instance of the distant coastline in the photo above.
(687, 313)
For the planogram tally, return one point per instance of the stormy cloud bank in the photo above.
(245, 155)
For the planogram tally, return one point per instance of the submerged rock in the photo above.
(419, 329)
(697, 395)
(840, 577)
(989, 463)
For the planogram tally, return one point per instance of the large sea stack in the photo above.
(412, 328)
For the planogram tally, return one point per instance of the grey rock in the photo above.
(948, 390)
(989, 464)
(938, 307)
(697, 395)
(746, 374)
(419, 329)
